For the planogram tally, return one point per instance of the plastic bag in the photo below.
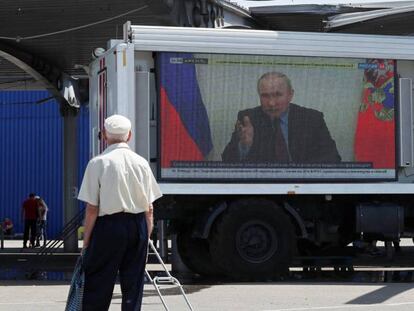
(75, 296)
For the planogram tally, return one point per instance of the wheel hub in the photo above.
(256, 241)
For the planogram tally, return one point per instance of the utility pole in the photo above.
(70, 172)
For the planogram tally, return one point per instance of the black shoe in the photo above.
(24, 246)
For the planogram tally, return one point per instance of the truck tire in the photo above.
(195, 254)
(253, 240)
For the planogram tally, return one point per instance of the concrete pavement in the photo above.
(48, 296)
(356, 291)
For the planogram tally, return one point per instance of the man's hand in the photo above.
(91, 214)
(245, 131)
(150, 220)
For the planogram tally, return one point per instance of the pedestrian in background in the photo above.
(42, 211)
(7, 226)
(29, 216)
(119, 189)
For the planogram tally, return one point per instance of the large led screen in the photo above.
(275, 118)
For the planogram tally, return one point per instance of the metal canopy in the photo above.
(63, 34)
(392, 18)
(398, 20)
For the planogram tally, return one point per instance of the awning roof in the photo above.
(344, 19)
(64, 33)
(391, 17)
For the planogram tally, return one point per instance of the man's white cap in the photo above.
(117, 124)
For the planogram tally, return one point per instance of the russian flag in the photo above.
(185, 127)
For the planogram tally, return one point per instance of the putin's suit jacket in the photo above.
(309, 140)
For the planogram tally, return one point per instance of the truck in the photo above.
(184, 88)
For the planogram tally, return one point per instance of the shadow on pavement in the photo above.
(380, 295)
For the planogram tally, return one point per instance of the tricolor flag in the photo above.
(375, 132)
(185, 127)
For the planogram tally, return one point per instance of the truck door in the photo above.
(111, 91)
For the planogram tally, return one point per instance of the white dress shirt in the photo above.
(119, 180)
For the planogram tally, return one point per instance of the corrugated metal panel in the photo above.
(31, 161)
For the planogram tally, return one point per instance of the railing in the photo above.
(71, 226)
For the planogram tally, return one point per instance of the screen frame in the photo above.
(215, 180)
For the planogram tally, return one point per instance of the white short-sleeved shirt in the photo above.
(119, 180)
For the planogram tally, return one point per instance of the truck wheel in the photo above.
(253, 240)
(195, 254)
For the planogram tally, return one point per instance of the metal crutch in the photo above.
(159, 281)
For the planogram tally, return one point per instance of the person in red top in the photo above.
(29, 213)
(7, 226)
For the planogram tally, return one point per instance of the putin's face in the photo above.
(275, 96)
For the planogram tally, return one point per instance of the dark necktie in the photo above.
(282, 154)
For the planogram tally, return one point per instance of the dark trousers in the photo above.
(41, 232)
(29, 225)
(119, 242)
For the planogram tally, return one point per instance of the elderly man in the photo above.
(119, 189)
(279, 131)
